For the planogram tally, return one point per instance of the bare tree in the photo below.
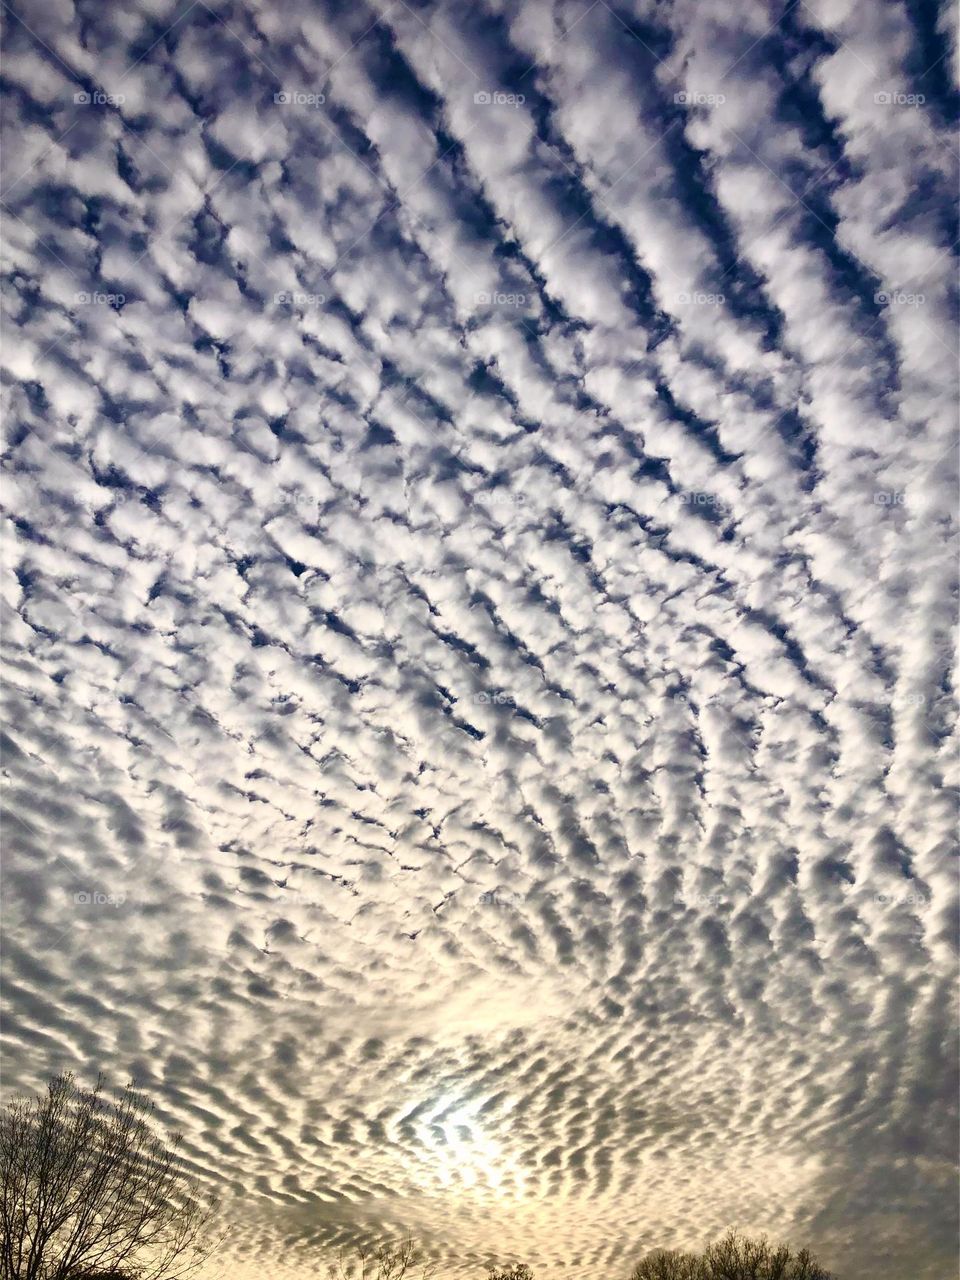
(519, 1271)
(668, 1264)
(386, 1262)
(735, 1257)
(88, 1191)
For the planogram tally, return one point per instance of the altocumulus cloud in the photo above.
(480, 492)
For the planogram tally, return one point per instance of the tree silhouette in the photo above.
(735, 1257)
(88, 1191)
(387, 1262)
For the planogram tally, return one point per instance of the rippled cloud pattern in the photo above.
(480, 513)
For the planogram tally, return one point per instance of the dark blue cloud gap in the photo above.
(927, 62)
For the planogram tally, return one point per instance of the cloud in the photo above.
(480, 506)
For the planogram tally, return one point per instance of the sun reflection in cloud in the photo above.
(457, 1150)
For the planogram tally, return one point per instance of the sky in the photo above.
(480, 515)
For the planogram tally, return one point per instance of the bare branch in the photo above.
(89, 1191)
